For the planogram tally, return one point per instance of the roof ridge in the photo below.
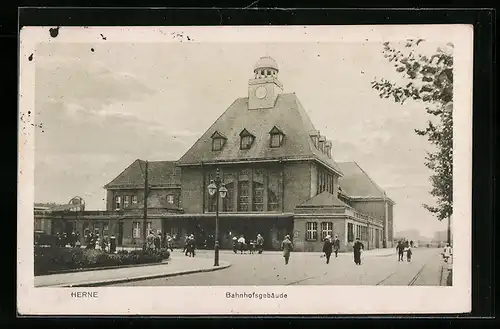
(210, 128)
(371, 180)
(121, 173)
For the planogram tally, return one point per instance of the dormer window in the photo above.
(246, 140)
(277, 137)
(321, 143)
(314, 137)
(218, 141)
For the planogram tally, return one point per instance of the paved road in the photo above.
(310, 269)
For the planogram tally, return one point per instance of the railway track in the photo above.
(412, 281)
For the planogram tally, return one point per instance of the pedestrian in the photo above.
(260, 243)
(447, 252)
(191, 246)
(336, 245)
(241, 244)
(287, 248)
(411, 243)
(169, 242)
(235, 244)
(150, 241)
(186, 243)
(251, 247)
(408, 253)
(327, 248)
(400, 249)
(357, 249)
(157, 241)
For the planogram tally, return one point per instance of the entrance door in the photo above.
(120, 234)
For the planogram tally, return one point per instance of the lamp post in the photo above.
(215, 188)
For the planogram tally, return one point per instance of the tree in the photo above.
(428, 80)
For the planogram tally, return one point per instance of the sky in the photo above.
(103, 106)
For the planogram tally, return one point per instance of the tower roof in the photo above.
(266, 62)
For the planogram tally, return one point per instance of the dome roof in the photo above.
(266, 63)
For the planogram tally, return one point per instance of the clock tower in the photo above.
(265, 87)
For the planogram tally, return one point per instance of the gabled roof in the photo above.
(160, 174)
(356, 183)
(287, 113)
(217, 134)
(323, 199)
(275, 130)
(245, 132)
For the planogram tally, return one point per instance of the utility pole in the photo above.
(146, 192)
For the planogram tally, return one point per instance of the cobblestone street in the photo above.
(379, 267)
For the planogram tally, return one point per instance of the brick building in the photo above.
(279, 173)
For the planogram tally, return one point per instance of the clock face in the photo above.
(261, 92)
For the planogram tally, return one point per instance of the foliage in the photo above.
(428, 80)
(58, 259)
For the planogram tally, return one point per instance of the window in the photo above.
(358, 232)
(273, 191)
(311, 231)
(228, 201)
(350, 232)
(217, 144)
(258, 191)
(134, 199)
(243, 196)
(246, 140)
(170, 199)
(118, 202)
(148, 227)
(326, 229)
(218, 141)
(136, 231)
(126, 201)
(276, 140)
(105, 229)
(276, 137)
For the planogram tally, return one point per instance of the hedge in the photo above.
(49, 260)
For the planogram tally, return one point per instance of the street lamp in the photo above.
(216, 186)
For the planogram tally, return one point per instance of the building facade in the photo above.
(279, 173)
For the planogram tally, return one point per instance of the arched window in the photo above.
(258, 191)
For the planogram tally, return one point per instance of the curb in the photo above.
(99, 283)
(91, 269)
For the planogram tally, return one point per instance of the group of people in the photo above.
(62, 240)
(190, 246)
(240, 244)
(404, 247)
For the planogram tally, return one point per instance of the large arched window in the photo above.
(258, 190)
(273, 191)
(244, 190)
(228, 201)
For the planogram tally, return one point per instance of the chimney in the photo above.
(321, 143)
(328, 148)
(314, 136)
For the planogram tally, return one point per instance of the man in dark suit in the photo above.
(328, 248)
(357, 248)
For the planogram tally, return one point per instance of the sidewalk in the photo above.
(177, 265)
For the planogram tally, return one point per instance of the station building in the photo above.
(280, 176)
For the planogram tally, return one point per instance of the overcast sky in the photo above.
(102, 109)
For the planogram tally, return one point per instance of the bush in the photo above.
(57, 259)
